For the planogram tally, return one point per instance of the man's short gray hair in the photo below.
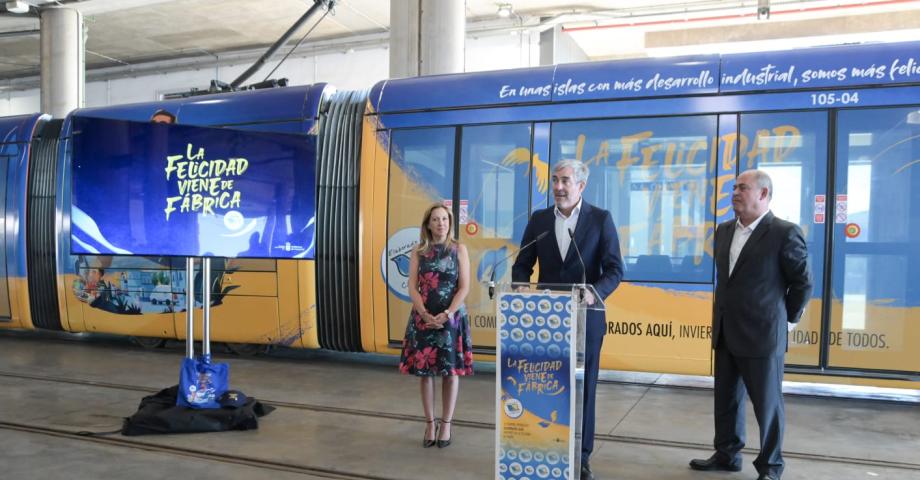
(579, 169)
(763, 181)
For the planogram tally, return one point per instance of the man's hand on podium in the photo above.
(589, 298)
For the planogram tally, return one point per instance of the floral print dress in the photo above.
(444, 351)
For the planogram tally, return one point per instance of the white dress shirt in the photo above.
(563, 224)
(741, 236)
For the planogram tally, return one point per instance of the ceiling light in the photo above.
(505, 10)
(763, 9)
(17, 6)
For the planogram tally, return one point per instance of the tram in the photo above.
(837, 128)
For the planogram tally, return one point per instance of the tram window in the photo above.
(653, 174)
(792, 148)
(425, 156)
(494, 184)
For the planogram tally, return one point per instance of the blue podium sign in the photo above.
(536, 408)
(152, 189)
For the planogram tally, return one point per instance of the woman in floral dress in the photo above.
(437, 339)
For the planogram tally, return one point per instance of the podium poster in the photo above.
(535, 389)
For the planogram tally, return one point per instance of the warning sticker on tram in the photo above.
(852, 230)
(820, 208)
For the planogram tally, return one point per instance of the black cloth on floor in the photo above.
(159, 413)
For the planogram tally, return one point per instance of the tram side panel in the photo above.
(16, 134)
(659, 319)
(667, 182)
(135, 296)
(9, 152)
(372, 234)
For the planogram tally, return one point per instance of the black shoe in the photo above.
(443, 443)
(714, 463)
(768, 476)
(586, 473)
(434, 427)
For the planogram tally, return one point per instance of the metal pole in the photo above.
(190, 307)
(206, 305)
(317, 5)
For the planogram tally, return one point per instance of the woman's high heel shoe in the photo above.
(431, 426)
(443, 443)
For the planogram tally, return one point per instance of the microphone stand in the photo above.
(582, 262)
(492, 274)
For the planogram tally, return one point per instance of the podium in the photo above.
(539, 370)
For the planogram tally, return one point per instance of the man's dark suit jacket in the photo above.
(597, 239)
(769, 286)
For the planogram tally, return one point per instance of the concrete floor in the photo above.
(348, 416)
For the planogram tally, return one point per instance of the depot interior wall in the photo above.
(502, 50)
(354, 69)
(16, 102)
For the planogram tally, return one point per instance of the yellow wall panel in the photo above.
(147, 325)
(239, 319)
(306, 304)
(653, 329)
(260, 284)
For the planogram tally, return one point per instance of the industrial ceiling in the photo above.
(122, 35)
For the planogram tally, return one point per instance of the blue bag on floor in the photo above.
(202, 382)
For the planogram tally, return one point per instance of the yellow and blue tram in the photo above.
(838, 129)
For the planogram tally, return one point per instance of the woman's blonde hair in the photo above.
(426, 241)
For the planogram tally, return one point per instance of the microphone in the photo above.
(492, 275)
(582, 262)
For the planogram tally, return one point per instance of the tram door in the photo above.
(792, 148)
(421, 172)
(8, 154)
(492, 211)
(875, 282)
(651, 174)
(484, 174)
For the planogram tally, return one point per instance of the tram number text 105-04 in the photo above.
(845, 98)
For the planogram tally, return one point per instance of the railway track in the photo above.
(135, 443)
(190, 452)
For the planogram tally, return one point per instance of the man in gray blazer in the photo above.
(762, 286)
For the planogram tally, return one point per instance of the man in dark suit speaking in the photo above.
(593, 231)
(762, 286)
